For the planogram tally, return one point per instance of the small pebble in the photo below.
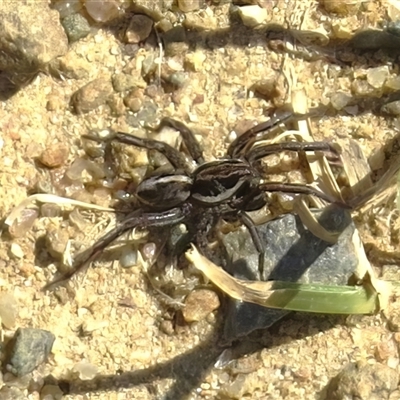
(376, 76)
(54, 155)
(123, 82)
(177, 79)
(16, 250)
(116, 105)
(128, 257)
(51, 392)
(102, 11)
(76, 27)
(393, 83)
(268, 88)
(139, 29)
(24, 222)
(252, 15)
(132, 102)
(361, 87)
(27, 350)
(67, 7)
(341, 7)
(340, 100)
(12, 392)
(195, 61)
(91, 96)
(200, 303)
(189, 5)
(49, 210)
(86, 370)
(363, 381)
(71, 66)
(8, 310)
(392, 108)
(235, 389)
(56, 241)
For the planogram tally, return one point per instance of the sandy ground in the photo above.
(133, 356)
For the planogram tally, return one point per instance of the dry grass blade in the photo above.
(49, 198)
(291, 296)
(311, 222)
(369, 196)
(320, 170)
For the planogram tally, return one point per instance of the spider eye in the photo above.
(163, 192)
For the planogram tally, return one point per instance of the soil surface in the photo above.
(115, 337)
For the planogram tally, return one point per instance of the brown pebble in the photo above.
(54, 155)
(189, 5)
(385, 349)
(199, 304)
(139, 29)
(341, 7)
(167, 327)
(91, 96)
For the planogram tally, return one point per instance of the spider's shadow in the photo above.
(364, 45)
(190, 369)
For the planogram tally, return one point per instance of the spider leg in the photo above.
(298, 188)
(249, 224)
(188, 137)
(240, 145)
(261, 151)
(176, 158)
(137, 219)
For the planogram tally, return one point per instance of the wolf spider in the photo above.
(199, 196)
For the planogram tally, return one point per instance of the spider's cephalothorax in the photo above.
(199, 197)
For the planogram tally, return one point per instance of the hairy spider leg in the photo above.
(136, 219)
(251, 227)
(190, 141)
(177, 160)
(261, 151)
(299, 188)
(241, 144)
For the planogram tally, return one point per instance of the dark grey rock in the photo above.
(27, 350)
(76, 27)
(293, 254)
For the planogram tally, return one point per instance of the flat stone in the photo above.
(293, 254)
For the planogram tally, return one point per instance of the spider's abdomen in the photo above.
(163, 192)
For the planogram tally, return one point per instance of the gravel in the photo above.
(143, 349)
